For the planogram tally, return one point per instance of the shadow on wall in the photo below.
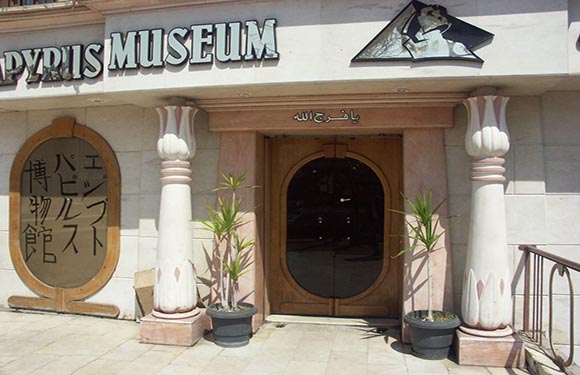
(560, 113)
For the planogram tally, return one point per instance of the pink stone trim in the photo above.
(175, 172)
(175, 180)
(480, 285)
(501, 332)
(176, 315)
(177, 273)
(488, 170)
(489, 179)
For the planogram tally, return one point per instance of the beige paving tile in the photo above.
(285, 339)
(80, 345)
(306, 367)
(20, 348)
(396, 346)
(37, 338)
(127, 351)
(381, 369)
(62, 344)
(351, 341)
(26, 364)
(313, 328)
(266, 330)
(270, 362)
(385, 358)
(123, 333)
(6, 359)
(225, 366)
(327, 336)
(468, 370)
(179, 370)
(102, 366)
(348, 356)
(457, 369)
(314, 346)
(167, 348)
(386, 350)
(142, 368)
(50, 322)
(62, 331)
(506, 371)
(54, 333)
(378, 343)
(254, 348)
(422, 366)
(28, 317)
(346, 363)
(313, 351)
(198, 355)
(16, 328)
(64, 365)
(157, 358)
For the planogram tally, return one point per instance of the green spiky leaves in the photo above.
(423, 222)
(230, 249)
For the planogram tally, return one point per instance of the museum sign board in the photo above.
(144, 49)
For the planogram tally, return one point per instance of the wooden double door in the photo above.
(333, 234)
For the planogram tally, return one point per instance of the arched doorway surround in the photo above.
(332, 226)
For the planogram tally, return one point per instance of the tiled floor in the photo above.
(52, 344)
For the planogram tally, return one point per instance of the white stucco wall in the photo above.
(132, 132)
(542, 192)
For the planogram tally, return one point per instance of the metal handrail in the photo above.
(534, 291)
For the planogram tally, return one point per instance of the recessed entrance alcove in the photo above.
(323, 215)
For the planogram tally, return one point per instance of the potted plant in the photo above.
(231, 319)
(431, 331)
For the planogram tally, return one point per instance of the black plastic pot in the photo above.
(232, 329)
(431, 340)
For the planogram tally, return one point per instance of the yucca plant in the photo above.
(423, 224)
(230, 249)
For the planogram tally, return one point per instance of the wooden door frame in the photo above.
(53, 298)
(278, 249)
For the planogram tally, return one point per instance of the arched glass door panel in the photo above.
(335, 227)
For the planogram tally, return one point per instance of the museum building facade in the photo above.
(117, 120)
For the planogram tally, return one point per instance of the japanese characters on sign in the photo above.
(64, 212)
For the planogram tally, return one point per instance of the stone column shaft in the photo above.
(175, 290)
(487, 299)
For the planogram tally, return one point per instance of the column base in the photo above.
(181, 332)
(507, 351)
(507, 331)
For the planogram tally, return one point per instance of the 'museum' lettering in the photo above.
(199, 44)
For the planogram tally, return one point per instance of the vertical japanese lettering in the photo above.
(64, 212)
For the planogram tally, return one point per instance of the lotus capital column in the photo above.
(486, 304)
(175, 289)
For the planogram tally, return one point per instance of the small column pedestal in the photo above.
(181, 332)
(506, 351)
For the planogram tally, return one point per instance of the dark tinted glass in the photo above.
(335, 227)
